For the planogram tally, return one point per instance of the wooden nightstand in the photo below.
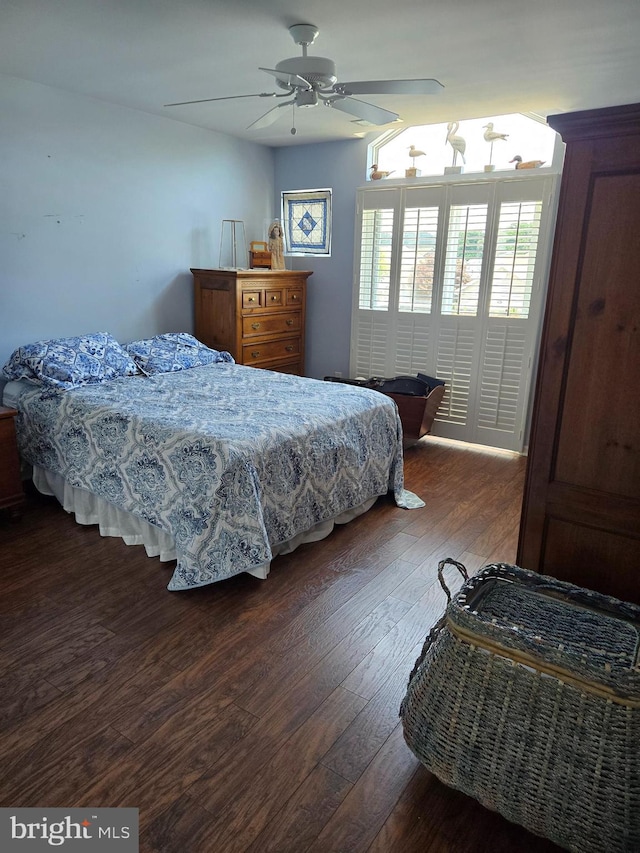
(11, 492)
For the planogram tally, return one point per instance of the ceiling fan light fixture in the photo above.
(319, 72)
(306, 98)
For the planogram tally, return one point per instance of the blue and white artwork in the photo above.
(307, 218)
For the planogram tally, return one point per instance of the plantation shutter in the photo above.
(448, 283)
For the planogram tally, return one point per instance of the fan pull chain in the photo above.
(293, 119)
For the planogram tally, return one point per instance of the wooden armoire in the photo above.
(581, 510)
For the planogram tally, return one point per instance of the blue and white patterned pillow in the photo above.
(69, 362)
(174, 351)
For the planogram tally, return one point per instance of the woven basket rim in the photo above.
(517, 656)
(610, 661)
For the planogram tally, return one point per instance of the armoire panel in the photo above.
(592, 558)
(596, 448)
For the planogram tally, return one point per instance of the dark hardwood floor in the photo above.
(248, 715)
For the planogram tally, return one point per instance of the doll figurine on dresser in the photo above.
(276, 246)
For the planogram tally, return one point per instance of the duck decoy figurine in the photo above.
(378, 174)
(491, 135)
(458, 143)
(413, 153)
(527, 164)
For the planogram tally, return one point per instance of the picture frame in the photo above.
(306, 215)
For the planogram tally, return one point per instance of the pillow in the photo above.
(173, 351)
(69, 362)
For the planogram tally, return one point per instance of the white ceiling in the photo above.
(493, 56)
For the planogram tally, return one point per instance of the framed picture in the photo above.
(306, 215)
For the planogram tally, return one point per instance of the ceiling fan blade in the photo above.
(362, 110)
(226, 98)
(293, 80)
(269, 117)
(390, 87)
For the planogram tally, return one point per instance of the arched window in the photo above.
(489, 144)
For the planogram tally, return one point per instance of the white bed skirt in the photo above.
(111, 521)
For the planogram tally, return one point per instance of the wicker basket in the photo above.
(527, 697)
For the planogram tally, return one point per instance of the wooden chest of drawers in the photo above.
(257, 315)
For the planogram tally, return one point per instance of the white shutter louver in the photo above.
(413, 345)
(375, 259)
(463, 259)
(515, 257)
(502, 376)
(455, 364)
(371, 346)
(418, 259)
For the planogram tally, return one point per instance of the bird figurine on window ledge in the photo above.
(413, 153)
(458, 143)
(527, 164)
(378, 174)
(490, 136)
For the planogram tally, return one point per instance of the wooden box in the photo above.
(417, 413)
(259, 255)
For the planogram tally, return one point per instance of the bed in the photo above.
(214, 464)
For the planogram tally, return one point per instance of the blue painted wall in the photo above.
(342, 167)
(103, 210)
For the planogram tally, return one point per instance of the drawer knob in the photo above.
(274, 298)
(255, 353)
(290, 348)
(289, 322)
(251, 299)
(255, 325)
(294, 296)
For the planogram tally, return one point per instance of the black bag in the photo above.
(412, 386)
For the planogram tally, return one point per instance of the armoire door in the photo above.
(581, 512)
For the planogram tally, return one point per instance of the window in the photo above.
(463, 145)
(449, 282)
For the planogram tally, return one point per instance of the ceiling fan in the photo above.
(311, 80)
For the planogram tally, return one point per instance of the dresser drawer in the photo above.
(270, 350)
(273, 298)
(292, 367)
(295, 296)
(252, 298)
(271, 324)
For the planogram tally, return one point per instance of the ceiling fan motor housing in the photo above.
(320, 72)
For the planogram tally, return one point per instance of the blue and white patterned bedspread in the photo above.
(228, 459)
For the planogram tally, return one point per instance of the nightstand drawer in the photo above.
(11, 493)
(269, 350)
(270, 324)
